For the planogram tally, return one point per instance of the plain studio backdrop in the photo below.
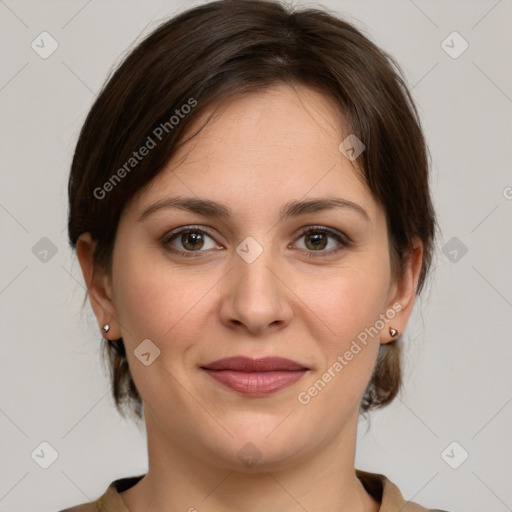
(444, 441)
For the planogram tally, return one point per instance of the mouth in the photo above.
(255, 377)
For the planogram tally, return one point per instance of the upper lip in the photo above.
(246, 364)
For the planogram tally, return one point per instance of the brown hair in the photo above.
(213, 52)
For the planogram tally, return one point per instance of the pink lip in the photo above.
(255, 377)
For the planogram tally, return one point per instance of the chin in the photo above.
(262, 444)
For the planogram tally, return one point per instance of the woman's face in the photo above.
(255, 284)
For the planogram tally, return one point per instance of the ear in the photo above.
(403, 293)
(99, 286)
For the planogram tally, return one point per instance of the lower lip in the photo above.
(256, 383)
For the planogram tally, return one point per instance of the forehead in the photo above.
(261, 148)
(276, 123)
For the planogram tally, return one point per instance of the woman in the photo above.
(250, 207)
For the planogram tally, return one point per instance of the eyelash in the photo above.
(344, 241)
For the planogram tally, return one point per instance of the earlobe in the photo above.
(99, 286)
(394, 333)
(405, 293)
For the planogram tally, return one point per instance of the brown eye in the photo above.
(192, 240)
(188, 240)
(323, 241)
(316, 241)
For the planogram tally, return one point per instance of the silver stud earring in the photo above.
(393, 332)
(105, 328)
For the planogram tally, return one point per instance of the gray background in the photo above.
(458, 358)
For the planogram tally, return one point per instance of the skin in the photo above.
(258, 152)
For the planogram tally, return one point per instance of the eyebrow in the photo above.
(209, 208)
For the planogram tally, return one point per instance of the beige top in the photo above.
(377, 485)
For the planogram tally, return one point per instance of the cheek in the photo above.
(165, 305)
(346, 301)
(159, 301)
(347, 306)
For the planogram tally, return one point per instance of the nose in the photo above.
(256, 297)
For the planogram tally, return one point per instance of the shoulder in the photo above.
(86, 507)
(110, 500)
(388, 494)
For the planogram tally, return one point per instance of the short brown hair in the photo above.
(218, 50)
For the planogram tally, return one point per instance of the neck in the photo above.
(178, 479)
